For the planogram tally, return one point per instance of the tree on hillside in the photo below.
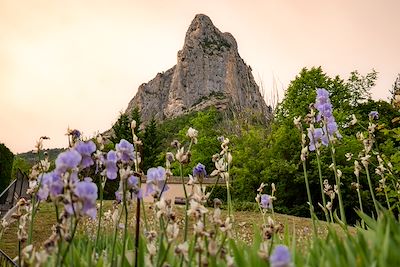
(122, 127)
(151, 145)
(6, 164)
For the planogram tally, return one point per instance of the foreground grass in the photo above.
(247, 224)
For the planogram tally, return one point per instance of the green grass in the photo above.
(247, 224)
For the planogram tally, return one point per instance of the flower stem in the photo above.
(360, 201)
(70, 242)
(321, 185)
(125, 222)
(337, 179)
(137, 231)
(186, 203)
(371, 190)
(100, 214)
(309, 198)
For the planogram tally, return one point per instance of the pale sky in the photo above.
(78, 63)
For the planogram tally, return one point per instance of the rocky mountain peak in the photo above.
(209, 72)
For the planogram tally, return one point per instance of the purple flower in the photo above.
(51, 185)
(155, 181)
(199, 171)
(315, 137)
(132, 182)
(156, 174)
(280, 257)
(325, 113)
(86, 149)
(111, 165)
(266, 201)
(373, 115)
(67, 160)
(75, 133)
(125, 151)
(86, 191)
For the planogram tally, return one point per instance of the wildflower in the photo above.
(86, 149)
(348, 156)
(304, 153)
(183, 249)
(51, 185)
(86, 192)
(357, 168)
(297, 122)
(124, 151)
(192, 134)
(325, 108)
(170, 157)
(155, 177)
(316, 135)
(266, 201)
(373, 115)
(132, 182)
(199, 171)
(111, 165)
(74, 133)
(196, 209)
(175, 144)
(353, 119)
(280, 257)
(172, 232)
(182, 156)
(67, 160)
(365, 160)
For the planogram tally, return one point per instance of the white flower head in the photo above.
(353, 119)
(192, 134)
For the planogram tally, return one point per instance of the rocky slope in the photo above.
(209, 72)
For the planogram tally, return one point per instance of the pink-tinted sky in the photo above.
(78, 63)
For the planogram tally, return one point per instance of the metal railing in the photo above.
(6, 261)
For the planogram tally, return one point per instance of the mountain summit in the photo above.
(209, 72)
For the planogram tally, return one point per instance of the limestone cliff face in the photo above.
(209, 72)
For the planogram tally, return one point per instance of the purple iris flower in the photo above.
(86, 191)
(67, 160)
(125, 151)
(373, 115)
(315, 137)
(266, 201)
(199, 171)
(75, 134)
(325, 113)
(86, 149)
(280, 257)
(132, 182)
(155, 178)
(51, 185)
(111, 165)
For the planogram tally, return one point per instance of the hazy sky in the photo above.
(78, 63)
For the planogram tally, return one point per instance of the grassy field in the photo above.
(247, 224)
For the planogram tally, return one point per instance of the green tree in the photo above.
(151, 145)
(122, 127)
(360, 86)
(280, 149)
(6, 164)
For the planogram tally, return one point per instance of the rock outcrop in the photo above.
(209, 72)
